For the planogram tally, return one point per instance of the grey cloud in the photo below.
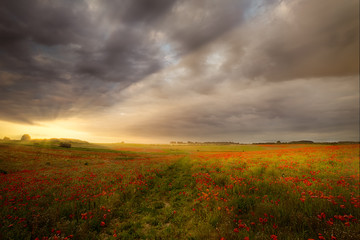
(288, 40)
(34, 40)
(41, 42)
(143, 10)
(133, 12)
(47, 24)
(195, 23)
(326, 107)
(314, 39)
(94, 42)
(125, 57)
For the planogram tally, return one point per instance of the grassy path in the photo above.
(162, 212)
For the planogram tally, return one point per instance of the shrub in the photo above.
(65, 145)
(25, 137)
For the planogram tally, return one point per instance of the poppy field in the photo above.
(278, 191)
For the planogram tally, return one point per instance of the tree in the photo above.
(25, 137)
(6, 139)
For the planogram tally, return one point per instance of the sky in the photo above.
(180, 70)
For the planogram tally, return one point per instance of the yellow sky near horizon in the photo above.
(40, 130)
(59, 129)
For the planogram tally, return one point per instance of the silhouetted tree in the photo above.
(6, 139)
(25, 137)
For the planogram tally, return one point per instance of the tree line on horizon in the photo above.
(66, 142)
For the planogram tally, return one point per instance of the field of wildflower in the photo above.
(279, 191)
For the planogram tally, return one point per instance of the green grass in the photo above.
(187, 147)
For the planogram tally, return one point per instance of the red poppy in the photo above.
(274, 237)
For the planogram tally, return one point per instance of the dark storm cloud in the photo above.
(128, 53)
(134, 11)
(82, 44)
(32, 35)
(125, 57)
(44, 23)
(45, 44)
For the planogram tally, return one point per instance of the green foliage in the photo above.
(25, 137)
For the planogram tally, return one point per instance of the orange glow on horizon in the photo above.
(60, 129)
(55, 129)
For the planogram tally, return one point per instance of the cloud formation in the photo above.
(183, 69)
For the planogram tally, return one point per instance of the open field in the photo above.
(125, 191)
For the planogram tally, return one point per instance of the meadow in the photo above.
(124, 191)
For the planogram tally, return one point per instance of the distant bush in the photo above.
(25, 137)
(6, 139)
(65, 145)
